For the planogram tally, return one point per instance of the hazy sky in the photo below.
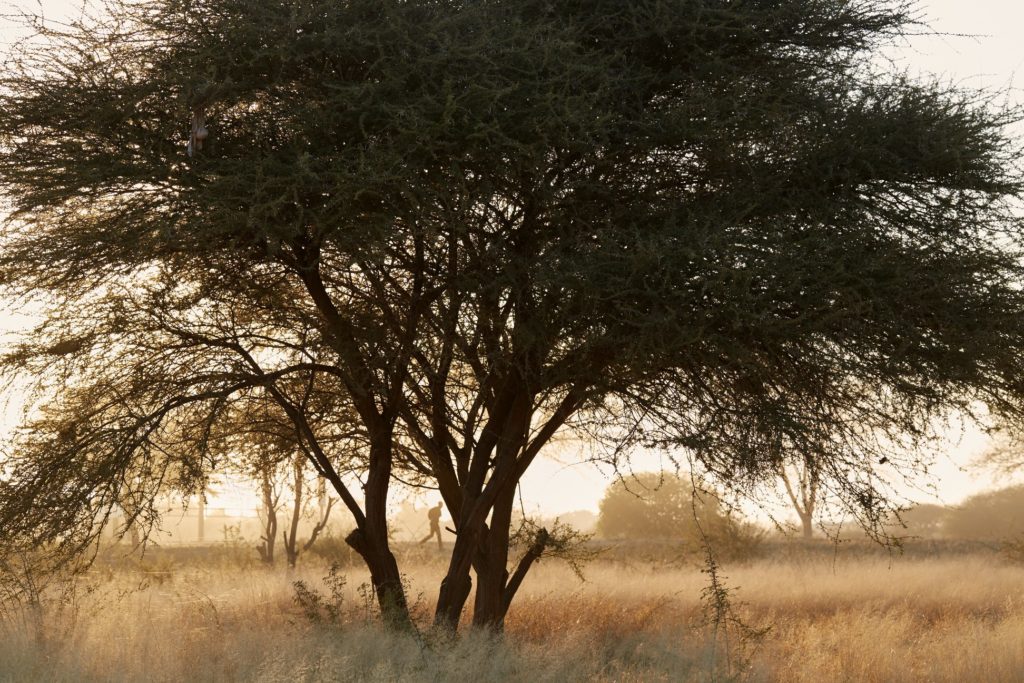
(982, 48)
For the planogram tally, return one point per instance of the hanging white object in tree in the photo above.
(199, 132)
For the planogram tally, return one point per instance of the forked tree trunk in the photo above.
(479, 545)
(495, 587)
(487, 552)
(326, 504)
(469, 551)
(803, 494)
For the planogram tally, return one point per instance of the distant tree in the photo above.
(924, 520)
(991, 516)
(270, 497)
(259, 442)
(252, 444)
(292, 547)
(440, 233)
(802, 481)
(648, 505)
(1005, 455)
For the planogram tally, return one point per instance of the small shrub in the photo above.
(1013, 549)
(333, 550)
(320, 609)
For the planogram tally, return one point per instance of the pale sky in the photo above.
(982, 48)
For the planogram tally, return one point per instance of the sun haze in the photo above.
(511, 340)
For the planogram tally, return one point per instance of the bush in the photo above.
(333, 550)
(656, 506)
(991, 516)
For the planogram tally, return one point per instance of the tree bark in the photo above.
(269, 538)
(457, 583)
(291, 541)
(384, 577)
(807, 522)
(370, 539)
(492, 565)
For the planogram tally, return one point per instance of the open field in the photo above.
(848, 618)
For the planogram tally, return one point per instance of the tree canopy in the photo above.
(437, 233)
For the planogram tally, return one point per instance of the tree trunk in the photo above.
(456, 584)
(269, 538)
(370, 539)
(484, 547)
(807, 522)
(201, 513)
(489, 604)
(492, 565)
(325, 515)
(804, 495)
(291, 542)
(384, 577)
(536, 549)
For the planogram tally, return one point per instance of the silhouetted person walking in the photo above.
(434, 515)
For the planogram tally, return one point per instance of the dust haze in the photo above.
(511, 340)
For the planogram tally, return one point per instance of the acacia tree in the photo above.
(648, 505)
(1005, 454)
(802, 481)
(290, 536)
(258, 441)
(468, 226)
(800, 469)
(269, 500)
(260, 462)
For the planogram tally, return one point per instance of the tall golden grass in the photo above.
(852, 619)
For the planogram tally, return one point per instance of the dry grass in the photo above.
(868, 619)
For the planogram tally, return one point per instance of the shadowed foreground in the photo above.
(857, 619)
